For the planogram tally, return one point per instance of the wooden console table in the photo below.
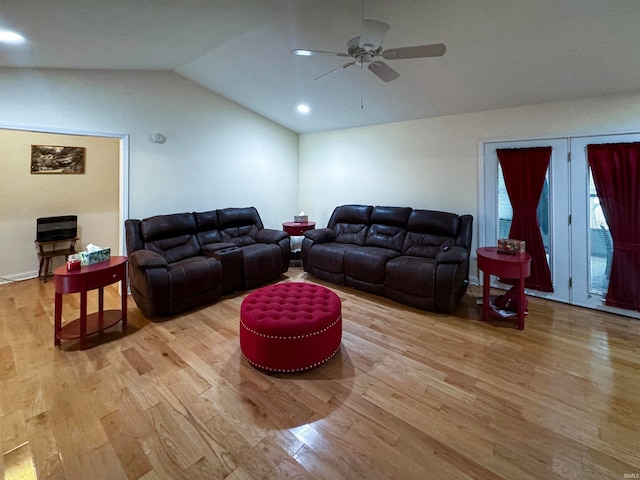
(506, 266)
(48, 250)
(88, 278)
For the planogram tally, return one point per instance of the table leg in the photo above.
(57, 324)
(100, 308)
(123, 294)
(47, 269)
(521, 301)
(486, 297)
(83, 320)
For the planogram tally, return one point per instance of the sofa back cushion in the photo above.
(351, 223)
(428, 230)
(388, 227)
(239, 225)
(172, 236)
(207, 223)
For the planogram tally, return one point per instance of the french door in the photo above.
(553, 210)
(575, 234)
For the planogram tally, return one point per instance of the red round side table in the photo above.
(506, 266)
(296, 229)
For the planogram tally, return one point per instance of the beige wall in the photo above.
(92, 196)
(434, 163)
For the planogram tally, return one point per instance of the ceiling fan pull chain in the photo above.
(361, 83)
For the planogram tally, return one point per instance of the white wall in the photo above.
(433, 163)
(217, 154)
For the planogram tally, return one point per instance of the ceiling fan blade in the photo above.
(383, 71)
(307, 53)
(373, 31)
(324, 75)
(420, 51)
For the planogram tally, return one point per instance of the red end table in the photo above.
(506, 266)
(88, 278)
(296, 229)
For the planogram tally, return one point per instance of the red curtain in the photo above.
(524, 171)
(616, 173)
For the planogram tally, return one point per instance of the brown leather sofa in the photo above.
(184, 260)
(416, 257)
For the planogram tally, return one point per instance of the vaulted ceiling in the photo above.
(500, 53)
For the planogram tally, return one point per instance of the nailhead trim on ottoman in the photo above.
(290, 327)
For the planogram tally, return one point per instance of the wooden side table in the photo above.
(88, 278)
(48, 250)
(506, 266)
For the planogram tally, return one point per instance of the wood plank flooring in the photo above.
(411, 395)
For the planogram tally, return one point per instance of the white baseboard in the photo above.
(18, 277)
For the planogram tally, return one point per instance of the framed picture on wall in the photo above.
(52, 159)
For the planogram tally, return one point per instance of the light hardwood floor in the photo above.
(411, 395)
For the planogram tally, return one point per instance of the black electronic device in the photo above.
(52, 229)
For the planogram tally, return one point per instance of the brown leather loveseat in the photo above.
(184, 260)
(416, 257)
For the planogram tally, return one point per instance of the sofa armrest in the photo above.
(321, 235)
(452, 277)
(268, 235)
(452, 254)
(146, 259)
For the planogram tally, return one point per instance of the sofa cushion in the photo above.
(396, 216)
(424, 244)
(240, 236)
(165, 226)
(239, 226)
(386, 236)
(411, 275)
(428, 231)
(194, 275)
(207, 223)
(329, 256)
(206, 220)
(174, 249)
(436, 223)
(237, 217)
(367, 263)
(261, 259)
(350, 223)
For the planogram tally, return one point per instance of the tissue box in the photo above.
(301, 218)
(89, 258)
(510, 246)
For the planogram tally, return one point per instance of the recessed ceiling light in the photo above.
(302, 108)
(13, 38)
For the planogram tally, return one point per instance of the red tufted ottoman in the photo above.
(290, 327)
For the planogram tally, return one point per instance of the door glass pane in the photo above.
(600, 244)
(505, 212)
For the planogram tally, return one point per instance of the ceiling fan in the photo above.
(365, 48)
